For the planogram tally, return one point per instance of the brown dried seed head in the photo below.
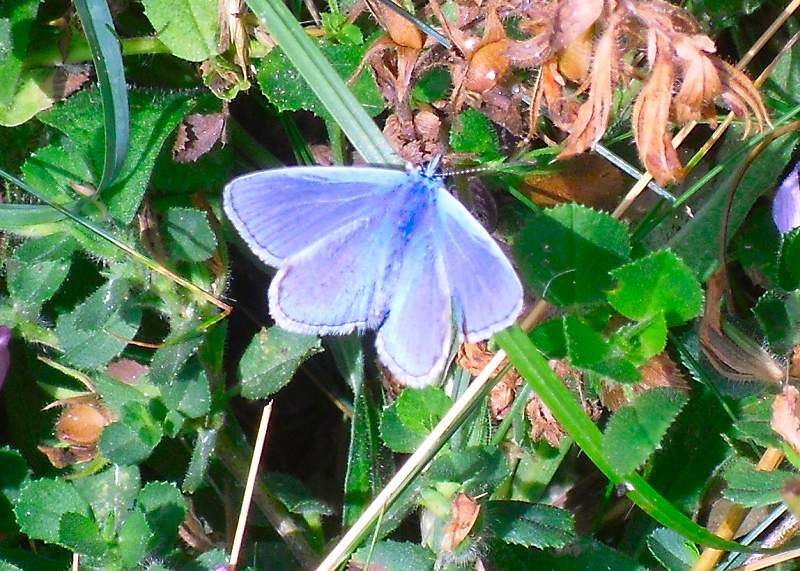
(487, 67)
(402, 32)
(80, 424)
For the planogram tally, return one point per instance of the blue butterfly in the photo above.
(361, 248)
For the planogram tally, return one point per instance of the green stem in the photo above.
(79, 52)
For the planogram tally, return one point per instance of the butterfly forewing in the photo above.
(486, 290)
(281, 212)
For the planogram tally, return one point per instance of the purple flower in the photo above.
(5, 356)
(786, 204)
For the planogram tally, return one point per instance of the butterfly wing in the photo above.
(281, 212)
(485, 287)
(338, 284)
(415, 339)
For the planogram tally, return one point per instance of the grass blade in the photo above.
(324, 81)
(107, 55)
(537, 373)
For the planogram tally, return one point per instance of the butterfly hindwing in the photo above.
(415, 339)
(281, 212)
(485, 288)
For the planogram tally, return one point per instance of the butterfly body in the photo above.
(376, 249)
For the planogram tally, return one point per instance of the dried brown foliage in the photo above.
(585, 50)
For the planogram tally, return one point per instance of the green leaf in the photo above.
(635, 431)
(133, 438)
(639, 342)
(272, 358)
(41, 505)
(583, 554)
(550, 338)
(154, 115)
(189, 235)
(724, 13)
(779, 316)
(164, 509)
(753, 422)
(80, 534)
(566, 253)
(294, 495)
(337, 27)
(476, 470)
(422, 409)
(51, 169)
(751, 487)
(588, 349)
(133, 538)
(410, 418)
(672, 550)
(37, 269)
(178, 348)
(789, 259)
(34, 93)
(660, 282)
(110, 493)
(107, 55)
(98, 329)
(474, 134)
(280, 83)
(394, 556)
(431, 86)
(532, 525)
(16, 19)
(201, 457)
(758, 243)
(396, 435)
(30, 220)
(189, 28)
(188, 392)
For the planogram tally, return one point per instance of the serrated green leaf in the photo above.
(550, 339)
(635, 431)
(189, 235)
(588, 349)
(188, 392)
(394, 556)
(80, 534)
(583, 554)
(474, 134)
(751, 487)
(51, 169)
(164, 509)
(288, 91)
(422, 409)
(131, 439)
(153, 118)
(98, 329)
(660, 282)
(396, 435)
(789, 260)
(133, 538)
(272, 358)
(778, 313)
(16, 19)
(111, 492)
(37, 269)
(566, 253)
(672, 550)
(532, 525)
(116, 394)
(189, 28)
(753, 422)
(41, 505)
